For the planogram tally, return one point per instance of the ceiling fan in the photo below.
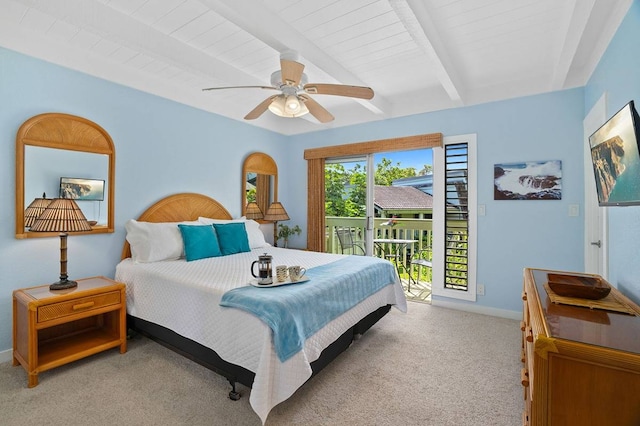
(294, 99)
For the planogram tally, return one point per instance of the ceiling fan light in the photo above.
(292, 105)
(277, 106)
(303, 110)
(280, 107)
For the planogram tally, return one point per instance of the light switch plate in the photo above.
(574, 210)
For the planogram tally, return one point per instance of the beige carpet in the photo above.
(432, 366)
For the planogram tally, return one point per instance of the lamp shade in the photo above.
(276, 212)
(253, 211)
(288, 106)
(35, 209)
(61, 215)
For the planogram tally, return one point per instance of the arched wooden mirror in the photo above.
(259, 181)
(56, 152)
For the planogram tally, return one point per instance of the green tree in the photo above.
(251, 195)
(346, 190)
(386, 173)
(336, 179)
(357, 200)
(426, 170)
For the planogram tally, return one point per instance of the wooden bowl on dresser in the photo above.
(580, 286)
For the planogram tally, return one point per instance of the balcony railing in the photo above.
(416, 281)
(410, 229)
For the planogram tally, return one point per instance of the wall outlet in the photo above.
(480, 289)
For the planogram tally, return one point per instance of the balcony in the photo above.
(416, 281)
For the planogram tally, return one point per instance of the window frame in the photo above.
(438, 289)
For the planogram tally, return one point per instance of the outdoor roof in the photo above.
(401, 198)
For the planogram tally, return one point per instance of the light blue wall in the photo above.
(513, 234)
(618, 74)
(162, 147)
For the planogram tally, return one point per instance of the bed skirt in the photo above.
(235, 373)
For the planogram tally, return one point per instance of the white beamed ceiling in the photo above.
(417, 55)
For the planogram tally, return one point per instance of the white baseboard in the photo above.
(478, 309)
(6, 356)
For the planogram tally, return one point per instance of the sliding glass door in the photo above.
(373, 199)
(346, 208)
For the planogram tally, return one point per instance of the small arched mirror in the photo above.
(259, 181)
(62, 155)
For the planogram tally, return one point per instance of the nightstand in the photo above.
(54, 327)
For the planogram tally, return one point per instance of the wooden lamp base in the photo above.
(64, 283)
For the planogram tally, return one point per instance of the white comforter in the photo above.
(184, 296)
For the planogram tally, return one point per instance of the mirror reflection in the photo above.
(82, 176)
(251, 188)
(260, 177)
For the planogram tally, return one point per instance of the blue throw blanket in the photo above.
(295, 312)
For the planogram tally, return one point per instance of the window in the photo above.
(455, 220)
(456, 224)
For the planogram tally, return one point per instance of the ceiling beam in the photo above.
(575, 20)
(260, 21)
(416, 18)
(608, 30)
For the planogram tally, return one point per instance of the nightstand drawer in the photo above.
(72, 307)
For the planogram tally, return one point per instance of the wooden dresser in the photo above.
(581, 365)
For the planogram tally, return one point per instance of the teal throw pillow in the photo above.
(232, 237)
(199, 241)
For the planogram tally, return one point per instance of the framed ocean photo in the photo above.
(530, 180)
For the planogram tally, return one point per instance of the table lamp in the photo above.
(252, 211)
(62, 215)
(35, 209)
(276, 212)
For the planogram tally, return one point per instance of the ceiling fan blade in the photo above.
(291, 72)
(339, 90)
(317, 110)
(241, 87)
(260, 109)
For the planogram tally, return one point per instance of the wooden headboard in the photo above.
(178, 208)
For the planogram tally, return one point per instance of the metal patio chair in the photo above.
(347, 242)
(419, 259)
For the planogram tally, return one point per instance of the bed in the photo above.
(177, 303)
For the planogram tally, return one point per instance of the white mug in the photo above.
(296, 272)
(281, 273)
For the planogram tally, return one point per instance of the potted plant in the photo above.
(284, 232)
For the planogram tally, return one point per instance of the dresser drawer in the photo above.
(76, 306)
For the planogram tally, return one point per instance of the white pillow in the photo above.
(153, 242)
(254, 233)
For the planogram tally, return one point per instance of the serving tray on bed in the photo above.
(302, 279)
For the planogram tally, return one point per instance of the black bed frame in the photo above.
(234, 373)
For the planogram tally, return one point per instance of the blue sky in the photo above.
(415, 158)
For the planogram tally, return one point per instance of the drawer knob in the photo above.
(524, 295)
(83, 306)
(524, 377)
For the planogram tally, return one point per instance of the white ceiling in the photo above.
(417, 55)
